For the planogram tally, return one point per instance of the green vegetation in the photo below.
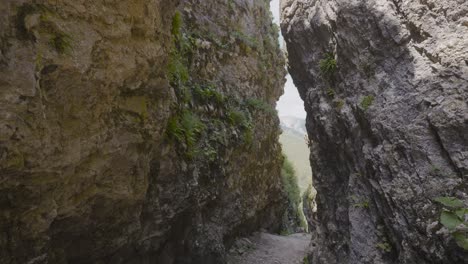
(328, 66)
(248, 136)
(291, 187)
(173, 130)
(305, 260)
(288, 175)
(208, 94)
(192, 127)
(61, 42)
(384, 246)
(177, 68)
(298, 153)
(364, 205)
(246, 43)
(256, 104)
(177, 23)
(186, 129)
(274, 30)
(368, 70)
(203, 113)
(454, 217)
(339, 104)
(229, 114)
(231, 5)
(242, 121)
(360, 203)
(330, 93)
(237, 118)
(366, 102)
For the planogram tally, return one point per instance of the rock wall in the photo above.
(134, 133)
(385, 86)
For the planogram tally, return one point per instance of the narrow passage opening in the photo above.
(292, 245)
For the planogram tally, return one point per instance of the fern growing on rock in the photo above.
(454, 217)
(328, 66)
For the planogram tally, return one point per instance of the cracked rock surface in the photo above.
(134, 133)
(389, 123)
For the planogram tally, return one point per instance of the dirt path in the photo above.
(264, 248)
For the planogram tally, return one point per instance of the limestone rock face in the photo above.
(385, 86)
(134, 133)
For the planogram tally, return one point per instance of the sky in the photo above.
(290, 104)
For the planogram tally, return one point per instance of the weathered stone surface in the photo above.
(389, 124)
(89, 169)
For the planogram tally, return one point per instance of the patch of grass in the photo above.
(367, 101)
(330, 93)
(61, 42)
(363, 204)
(384, 246)
(231, 5)
(237, 118)
(256, 104)
(368, 70)
(359, 203)
(208, 94)
(183, 45)
(288, 175)
(248, 136)
(274, 29)
(186, 129)
(293, 192)
(174, 130)
(328, 66)
(246, 43)
(339, 104)
(177, 69)
(177, 23)
(192, 127)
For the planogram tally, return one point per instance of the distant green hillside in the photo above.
(295, 148)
